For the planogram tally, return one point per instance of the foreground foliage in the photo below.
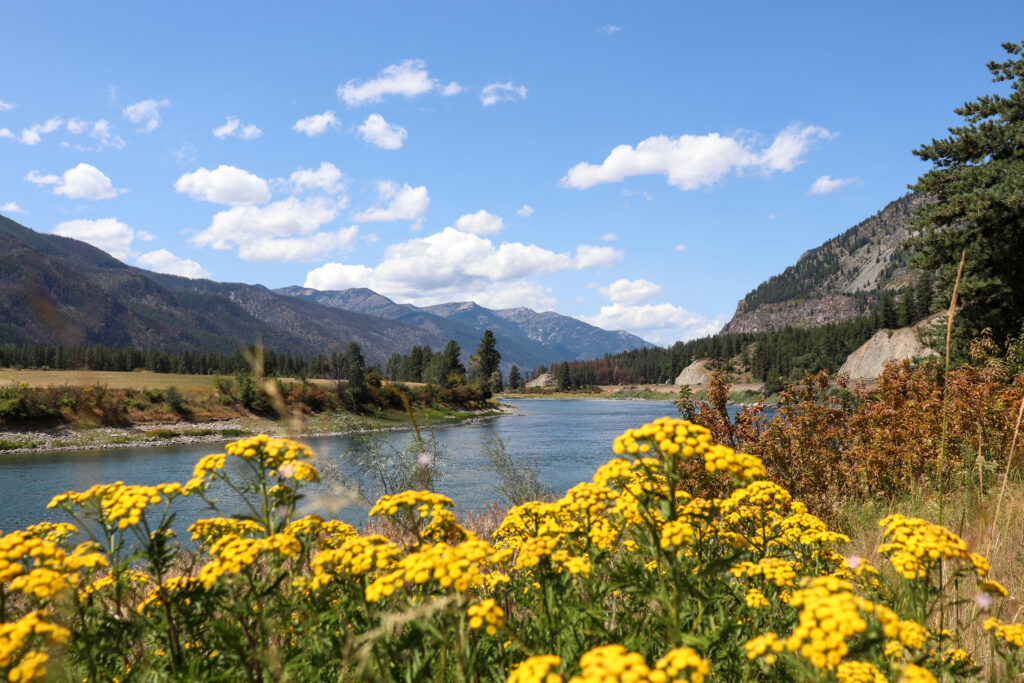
(630, 576)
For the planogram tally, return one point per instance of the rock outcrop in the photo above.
(693, 374)
(869, 360)
(544, 380)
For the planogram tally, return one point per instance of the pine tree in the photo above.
(887, 315)
(923, 295)
(487, 355)
(977, 184)
(908, 308)
(515, 379)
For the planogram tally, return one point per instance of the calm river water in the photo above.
(567, 440)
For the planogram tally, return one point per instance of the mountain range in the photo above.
(58, 290)
(838, 280)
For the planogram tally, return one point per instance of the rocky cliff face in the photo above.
(835, 281)
(869, 360)
(693, 374)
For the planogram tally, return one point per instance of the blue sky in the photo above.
(638, 165)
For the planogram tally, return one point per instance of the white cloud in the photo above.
(7, 106)
(396, 203)
(453, 265)
(99, 131)
(410, 78)
(317, 124)
(630, 292)
(146, 112)
(33, 134)
(826, 184)
(589, 256)
(224, 185)
(502, 92)
(282, 231)
(480, 223)
(76, 126)
(680, 247)
(609, 237)
(609, 30)
(12, 207)
(662, 323)
(108, 234)
(452, 88)
(81, 182)
(694, 161)
(163, 261)
(233, 128)
(327, 178)
(525, 211)
(377, 131)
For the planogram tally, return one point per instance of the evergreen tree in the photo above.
(908, 308)
(563, 377)
(515, 380)
(451, 362)
(496, 383)
(355, 368)
(487, 355)
(887, 316)
(977, 184)
(923, 295)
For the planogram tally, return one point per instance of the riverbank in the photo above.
(68, 438)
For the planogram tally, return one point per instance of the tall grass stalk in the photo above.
(945, 382)
(1006, 476)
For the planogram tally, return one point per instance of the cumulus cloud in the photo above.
(396, 203)
(327, 179)
(317, 124)
(233, 128)
(146, 112)
(12, 207)
(7, 106)
(525, 211)
(34, 133)
(480, 223)
(454, 265)
(662, 323)
(630, 292)
(287, 230)
(224, 185)
(609, 237)
(99, 131)
(108, 234)
(81, 182)
(826, 184)
(163, 261)
(502, 92)
(377, 131)
(589, 256)
(409, 79)
(694, 161)
(452, 88)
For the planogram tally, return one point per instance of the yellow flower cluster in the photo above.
(486, 612)
(22, 664)
(741, 465)
(175, 584)
(536, 669)
(326, 534)
(829, 617)
(915, 546)
(455, 567)
(356, 555)
(1009, 633)
(536, 549)
(859, 672)
(775, 570)
(916, 674)
(209, 531)
(232, 553)
(118, 503)
(615, 663)
(755, 599)
(279, 458)
(766, 645)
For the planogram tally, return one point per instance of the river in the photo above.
(567, 440)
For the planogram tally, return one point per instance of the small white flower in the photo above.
(286, 471)
(853, 562)
(984, 600)
(424, 459)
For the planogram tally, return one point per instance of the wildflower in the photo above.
(536, 669)
(486, 612)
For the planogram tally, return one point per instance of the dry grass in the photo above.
(112, 380)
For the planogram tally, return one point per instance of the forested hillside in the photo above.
(840, 280)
